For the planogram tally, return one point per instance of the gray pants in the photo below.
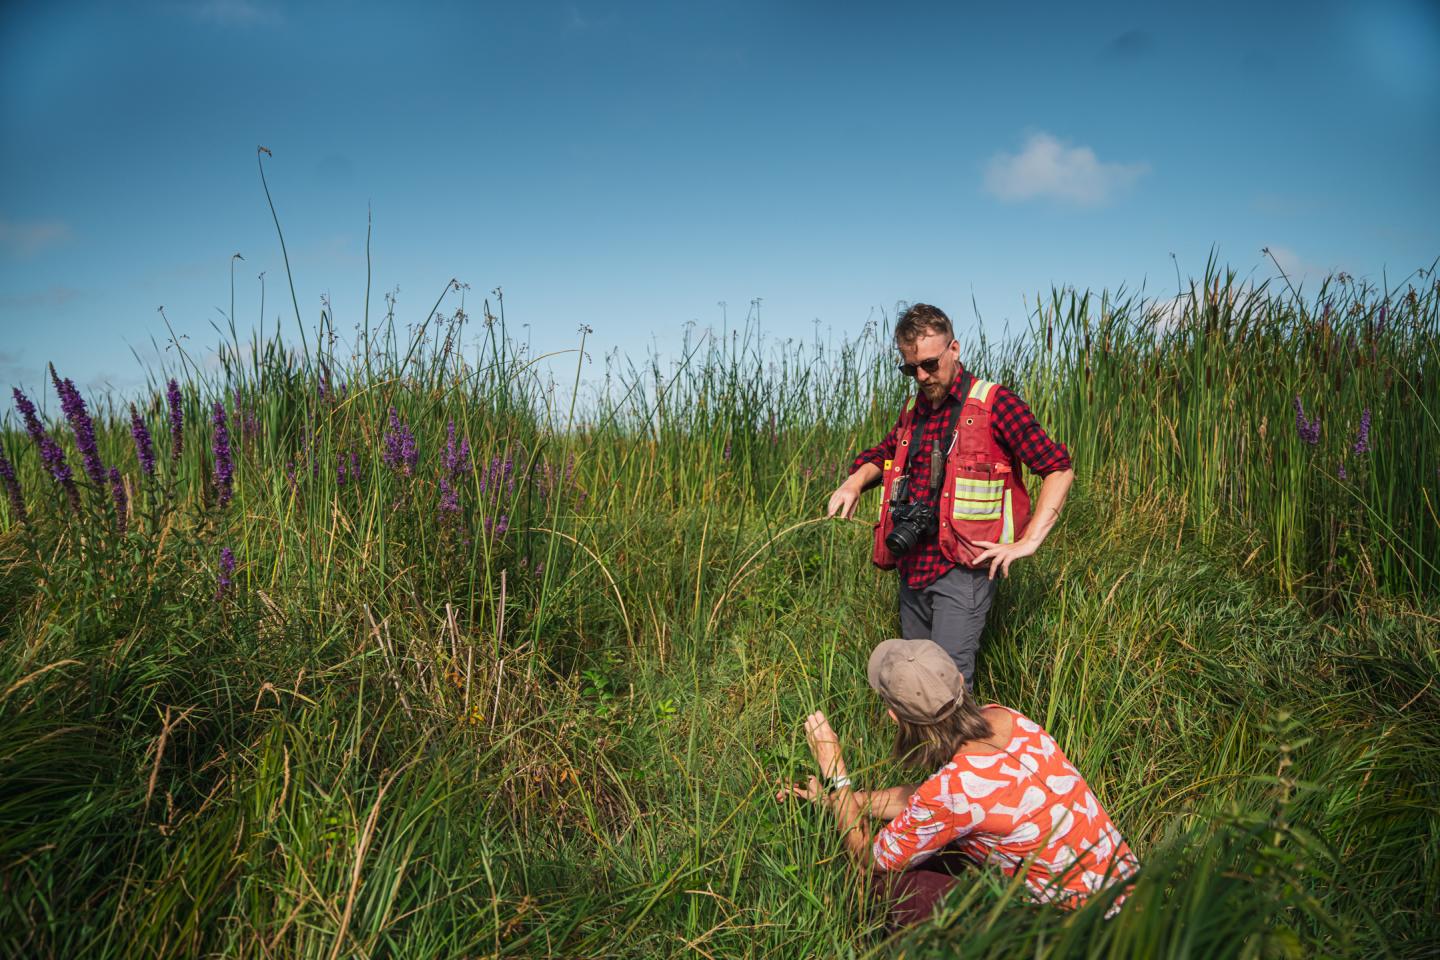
(951, 611)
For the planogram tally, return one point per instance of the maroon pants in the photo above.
(912, 895)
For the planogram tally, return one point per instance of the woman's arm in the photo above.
(884, 804)
(889, 803)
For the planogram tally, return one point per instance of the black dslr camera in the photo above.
(911, 519)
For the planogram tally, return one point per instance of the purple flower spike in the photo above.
(1309, 430)
(502, 525)
(12, 488)
(177, 419)
(457, 457)
(50, 453)
(226, 577)
(1362, 436)
(144, 446)
(449, 501)
(400, 451)
(84, 428)
(122, 501)
(1340, 472)
(224, 466)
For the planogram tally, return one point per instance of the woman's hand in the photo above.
(812, 791)
(824, 745)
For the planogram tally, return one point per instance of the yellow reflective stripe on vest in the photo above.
(977, 499)
(980, 390)
(1007, 530)
(978, 489)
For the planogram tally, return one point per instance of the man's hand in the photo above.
(847, 495)
(824, 745)
(1001, 555)
(843, 501)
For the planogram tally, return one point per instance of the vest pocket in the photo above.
(977, 499)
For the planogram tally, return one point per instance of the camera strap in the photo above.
(940, 451)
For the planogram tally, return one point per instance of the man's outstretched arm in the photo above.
(846, 496)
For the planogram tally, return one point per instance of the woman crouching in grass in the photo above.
(1004, 793)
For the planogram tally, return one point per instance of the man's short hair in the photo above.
(920, 320)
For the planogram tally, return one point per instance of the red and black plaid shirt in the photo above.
(1015, 430)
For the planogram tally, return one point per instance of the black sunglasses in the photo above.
(931, 366)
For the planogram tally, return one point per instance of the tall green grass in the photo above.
(402, 731)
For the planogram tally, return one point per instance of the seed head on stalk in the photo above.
(50, 453)
(144, 445)
(224, 466)
(12, 488)
(83, 427)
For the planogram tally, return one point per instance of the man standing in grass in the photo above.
(954, 508)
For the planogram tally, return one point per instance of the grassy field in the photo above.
(392, 654)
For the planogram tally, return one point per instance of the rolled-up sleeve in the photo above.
(878, 454)
(926, 825)
(1016, 428)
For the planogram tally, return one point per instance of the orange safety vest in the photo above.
(982, 497)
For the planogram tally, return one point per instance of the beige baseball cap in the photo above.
(916, 679)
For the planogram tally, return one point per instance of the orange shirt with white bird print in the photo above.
(1024, 803)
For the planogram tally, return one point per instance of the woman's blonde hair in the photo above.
(932, 745)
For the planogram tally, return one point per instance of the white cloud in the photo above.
(1048, 167)
(28, 239)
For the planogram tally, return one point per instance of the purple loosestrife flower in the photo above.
(1340, 472)
(12, 488)
(400, 451)
(177, 419)
(457, 456)
(449, 501)
(144, 446)
(80, 423)
(1309, 430)
(226, 577)
(224, 466)
(50, 453)
(122, 501)
(1362, 436)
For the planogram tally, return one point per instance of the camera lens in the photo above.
(902, 538)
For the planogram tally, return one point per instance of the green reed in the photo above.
(404, 730)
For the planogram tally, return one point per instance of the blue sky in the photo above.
(630, 166)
